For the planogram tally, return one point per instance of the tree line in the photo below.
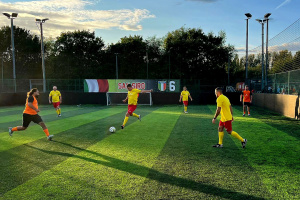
(185, 53)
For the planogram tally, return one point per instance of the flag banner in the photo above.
(120, 85)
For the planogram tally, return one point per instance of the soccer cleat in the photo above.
(10, 132)
(244, 143)
(186, 112)
(218, 145)
(122, 127)
(249, 114)
(59, 115)
(243, 115)
(140, 118)
(50, 137)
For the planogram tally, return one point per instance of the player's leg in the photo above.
(126, 119)
(221, 135)
(248, 107)
(59, 109)
(228, 126)
(56, 109)
(26, 121)
(38, 120)
(185, 104)
(244, 108)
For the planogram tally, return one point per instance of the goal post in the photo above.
(116, 98)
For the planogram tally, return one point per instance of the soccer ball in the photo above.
(112, 129)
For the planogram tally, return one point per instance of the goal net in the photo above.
(116, 98)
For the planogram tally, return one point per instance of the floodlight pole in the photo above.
(248, 15)
(262, 58)
(117, 74)
(42, 52)
(147, 64)
(2, 73)
(267, 50)
(13, 52)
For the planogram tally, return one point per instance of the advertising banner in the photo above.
(120, 85)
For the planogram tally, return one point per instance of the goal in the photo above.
(116, 98)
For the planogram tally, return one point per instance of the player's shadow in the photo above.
(153, 174)
(297, 108)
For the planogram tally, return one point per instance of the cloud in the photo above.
(283, 3)
(72, 15)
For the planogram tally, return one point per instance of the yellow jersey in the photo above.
(185, 95)
(55, 96)
(133, 96)
(224, 103)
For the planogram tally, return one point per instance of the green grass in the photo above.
(168, 155)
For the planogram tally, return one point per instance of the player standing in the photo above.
(224, 107)
(247, 100)
(132, 98)
(31, 114)
(56, 100)
(184, 96)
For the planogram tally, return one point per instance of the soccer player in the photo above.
(247, 100)
(224, 107)
(132, 99)
(56, 100)
(184, 96)
(31, 114)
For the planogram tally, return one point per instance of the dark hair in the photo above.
(246, 86)
(219, 89)
(129, 85)
(33, 90)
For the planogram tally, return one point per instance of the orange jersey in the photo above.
(28, 110)
(247, 95)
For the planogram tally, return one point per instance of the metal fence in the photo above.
(24, 85)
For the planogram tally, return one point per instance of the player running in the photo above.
(247, 100)
(224, 107)
(31, 114)
(56, 100)
(132, 98)
(184, 96)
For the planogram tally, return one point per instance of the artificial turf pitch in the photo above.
(168, 155)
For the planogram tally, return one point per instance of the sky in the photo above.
(114, 19)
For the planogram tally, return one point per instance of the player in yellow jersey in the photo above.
(132, 98)
(56, 100)
(184, 96)
(224, 108)
(30, 114)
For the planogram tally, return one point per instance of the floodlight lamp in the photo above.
(14, 15)
(7, 15)
(248, 15)
(267, 15)
(43, 20)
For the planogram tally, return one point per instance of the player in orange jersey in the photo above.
(247, 100)
(30, 114)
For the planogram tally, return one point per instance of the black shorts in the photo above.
(31, 118)
(247, 104)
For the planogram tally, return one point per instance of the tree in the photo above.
(76, 55)
(27, 53)
(196, 55)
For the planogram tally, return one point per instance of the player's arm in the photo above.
(216, 115)
(50, 98)
(180, 98)
(241, 97)
(191, 97)
(231, 112)
(60, 98)
(251, 97)
(146, 91)
(125, 100)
